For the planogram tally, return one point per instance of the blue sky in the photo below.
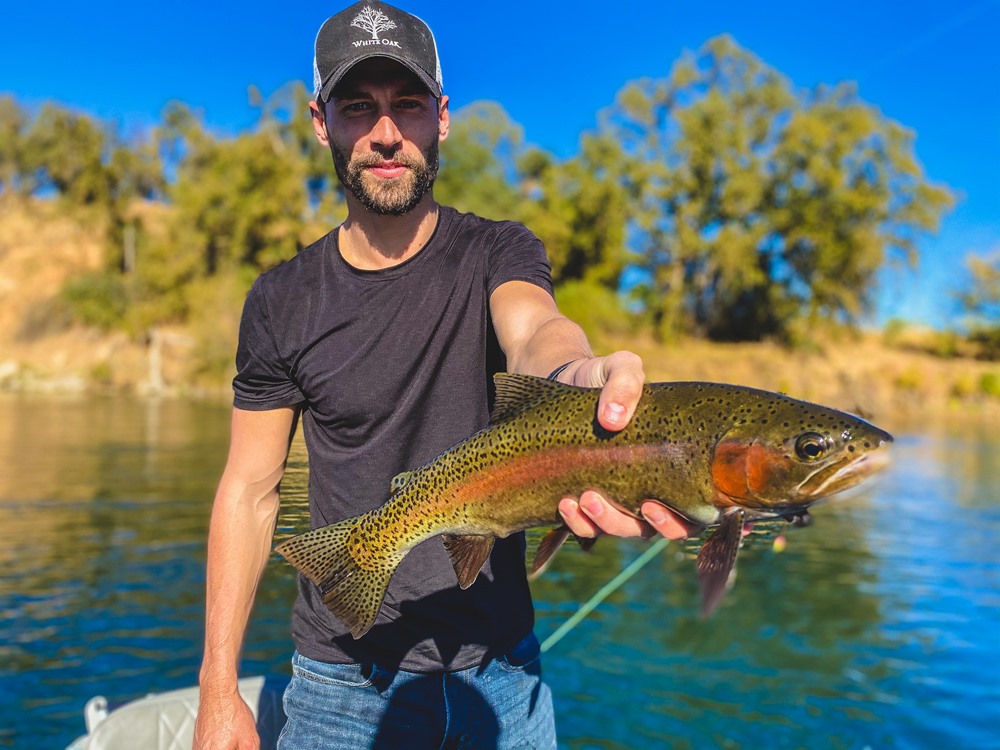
(930, 66)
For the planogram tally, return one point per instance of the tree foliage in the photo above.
(756, 209)
(577, 207)
(82, 161)
(982, 299)
(13, 167)
(286, 117)
(477, 163)
(240, 200)
(727, 203)
(981, 302)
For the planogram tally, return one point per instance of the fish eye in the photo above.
(811, 446)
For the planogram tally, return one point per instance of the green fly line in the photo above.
(605, 591)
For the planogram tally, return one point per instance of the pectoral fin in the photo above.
(550, 544)
(468, 555)
(717, 560)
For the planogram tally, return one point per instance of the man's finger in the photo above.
(622, 376)
(665, 521)
(576, 520)
(592, 515)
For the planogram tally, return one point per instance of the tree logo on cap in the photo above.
(372, 21)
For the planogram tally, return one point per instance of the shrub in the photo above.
(98, 299)
(989, 384)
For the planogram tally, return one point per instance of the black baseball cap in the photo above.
(372, 29)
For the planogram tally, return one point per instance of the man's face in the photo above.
(383, 128)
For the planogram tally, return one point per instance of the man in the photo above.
(383, 337)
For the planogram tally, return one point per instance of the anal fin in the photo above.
(468, 555)
(717, 560)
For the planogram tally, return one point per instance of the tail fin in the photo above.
(352, 576)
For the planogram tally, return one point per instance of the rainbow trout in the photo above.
(719, 455)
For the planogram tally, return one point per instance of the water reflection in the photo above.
(877, 627)
(103, 512)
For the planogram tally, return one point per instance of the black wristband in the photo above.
(558, 371)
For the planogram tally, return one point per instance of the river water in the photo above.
(877, 627)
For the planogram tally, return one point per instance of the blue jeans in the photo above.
(499, 706)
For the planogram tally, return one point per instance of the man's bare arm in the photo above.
(239, 545)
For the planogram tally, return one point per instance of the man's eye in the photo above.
(357, 107)
(409, 104)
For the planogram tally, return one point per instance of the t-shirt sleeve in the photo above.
(518, 255)
(262, 379)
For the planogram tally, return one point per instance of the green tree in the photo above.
(13, 172)
(237, 207)
(579, 208)
(757, 210)
(134, 173)
(244, 197)
(981, 302)
(234, 206)
(285, 115)
(982, 299)
(64, 151)
(85, 163)
(478, 160)
(849, 196)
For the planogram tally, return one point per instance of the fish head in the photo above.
(781, 455)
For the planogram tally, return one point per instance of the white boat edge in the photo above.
(160, 721)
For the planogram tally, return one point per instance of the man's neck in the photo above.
(372, 241)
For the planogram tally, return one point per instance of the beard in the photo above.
(393, 197)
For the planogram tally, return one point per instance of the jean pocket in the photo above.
(349, 675)
(524, 657)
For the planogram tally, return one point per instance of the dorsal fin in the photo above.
(399, 480)
(516, 393)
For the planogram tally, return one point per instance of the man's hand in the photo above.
(621, 377)
(225, 723)
(592, 514)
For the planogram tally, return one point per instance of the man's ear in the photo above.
(319, 123)
(444, 119)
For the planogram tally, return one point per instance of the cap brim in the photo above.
(331, 82)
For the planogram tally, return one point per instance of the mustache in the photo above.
(377, 160)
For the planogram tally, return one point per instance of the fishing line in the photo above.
(606, 590)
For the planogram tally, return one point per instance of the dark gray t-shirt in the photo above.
(390, 368)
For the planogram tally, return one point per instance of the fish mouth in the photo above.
(843, 475)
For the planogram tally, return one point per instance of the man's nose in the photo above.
(385, 133)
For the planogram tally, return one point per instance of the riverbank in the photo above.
(862, 375)
(41, 349)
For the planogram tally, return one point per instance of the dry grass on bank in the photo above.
(40, 349)
(863, 376)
